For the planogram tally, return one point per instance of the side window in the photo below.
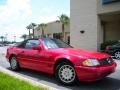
(31, 43)
(21, 45)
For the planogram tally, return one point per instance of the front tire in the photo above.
(14, 64)
(117, 55)
(65, 73)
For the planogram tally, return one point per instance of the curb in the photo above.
(32, 82)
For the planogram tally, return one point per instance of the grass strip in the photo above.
(10, 83)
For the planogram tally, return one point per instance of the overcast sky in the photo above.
(15, 15)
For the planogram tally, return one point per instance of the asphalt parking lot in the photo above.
(112, 82)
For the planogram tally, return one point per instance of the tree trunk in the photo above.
(42, 32)
(29, 34)
(63, 31)
(2, 40)
(33, 33)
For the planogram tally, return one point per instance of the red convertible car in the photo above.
(55, 57)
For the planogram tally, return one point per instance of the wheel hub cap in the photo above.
(13, 63)
(67, 73)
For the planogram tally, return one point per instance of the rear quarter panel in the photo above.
(10, 51)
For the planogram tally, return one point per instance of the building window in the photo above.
(57, 35)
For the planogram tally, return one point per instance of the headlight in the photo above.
(91, 62)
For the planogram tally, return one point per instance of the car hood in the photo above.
(81, 53)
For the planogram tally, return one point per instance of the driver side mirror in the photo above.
(36, 47)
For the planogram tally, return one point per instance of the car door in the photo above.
(28, 56)
(34, 59)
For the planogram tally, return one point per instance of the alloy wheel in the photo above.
(14, 64)
(67, 73)
(117, 55)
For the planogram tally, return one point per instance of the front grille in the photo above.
(106, 61)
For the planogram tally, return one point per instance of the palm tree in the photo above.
(65, 20)
(29, 27)
(2, 38)
(42, 26)
(31, 35)
(33, 28)
(24, 36)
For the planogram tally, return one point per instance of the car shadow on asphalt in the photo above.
(107, 83)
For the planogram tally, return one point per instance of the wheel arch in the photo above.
(12, 55)
(117, 50)
(60, 60)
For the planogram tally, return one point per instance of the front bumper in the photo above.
(94, 73)
(110, 52)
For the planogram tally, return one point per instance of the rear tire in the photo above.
(65, 73)
(14, 64)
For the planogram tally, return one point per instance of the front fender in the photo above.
(74, 60)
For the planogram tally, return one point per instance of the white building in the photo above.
(54, 29)
(94, 22)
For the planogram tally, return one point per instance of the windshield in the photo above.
(55, 43)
